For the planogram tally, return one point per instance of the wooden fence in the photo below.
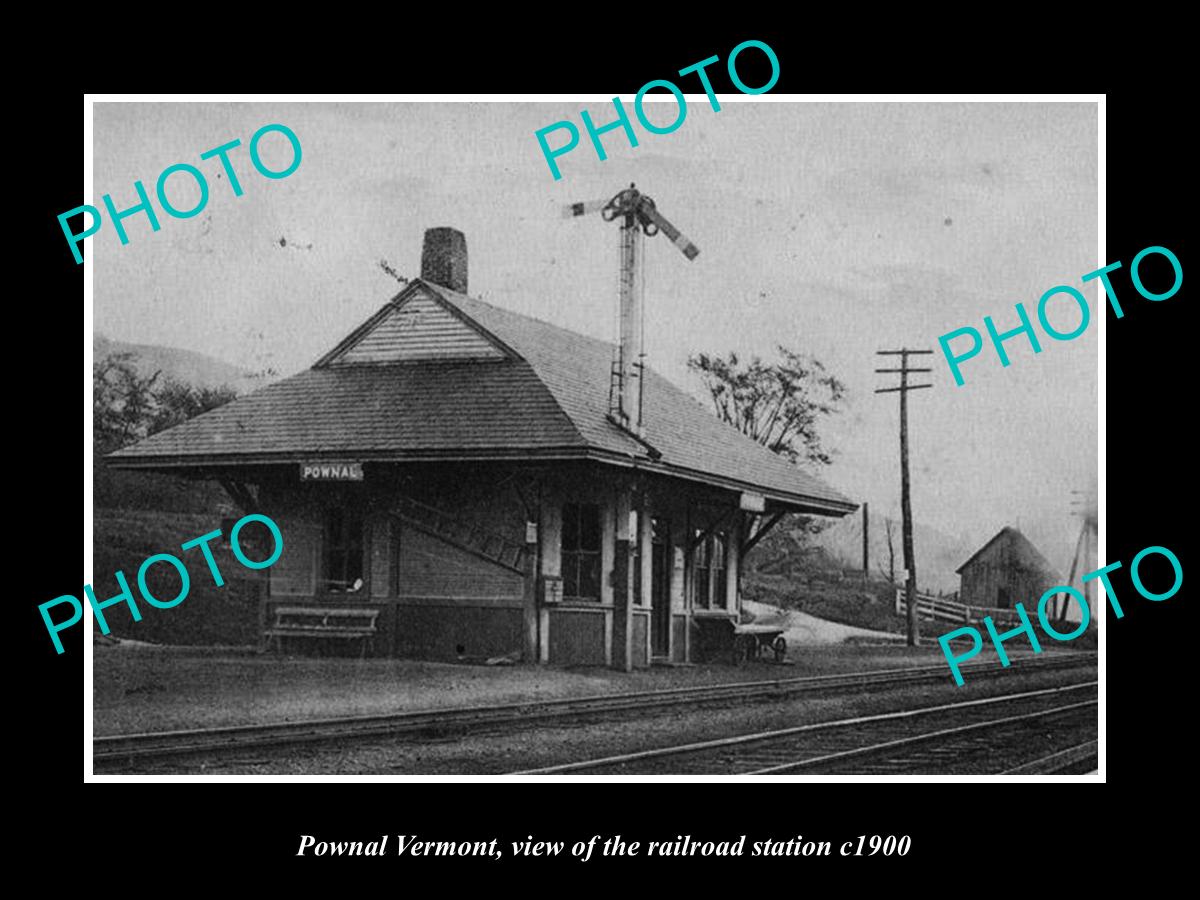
(940, 609)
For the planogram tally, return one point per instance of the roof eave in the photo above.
(796, 502)
(216, 460)
(801, 503)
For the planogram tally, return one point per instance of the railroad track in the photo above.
(1080, 758)
(125, 750)
(967, 737)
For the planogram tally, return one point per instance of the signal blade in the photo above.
(690, 250)
(582, 209)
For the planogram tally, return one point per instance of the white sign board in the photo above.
(752, 502)
(331, 471)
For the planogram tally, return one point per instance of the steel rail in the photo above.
(1056, 762)
(777, 734)
(957, 731)
(128, 747)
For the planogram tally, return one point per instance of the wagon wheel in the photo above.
(780, 648)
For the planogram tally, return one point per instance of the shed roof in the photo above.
(545, 394)
(1023, 553)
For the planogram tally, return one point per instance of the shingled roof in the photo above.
(535, 391)
(1021, 554)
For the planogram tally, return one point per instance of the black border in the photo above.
(1148, 443)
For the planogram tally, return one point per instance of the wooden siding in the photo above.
(430, 567)
(380, 542)
(577, 637)
(421, 329)
(679, 638)
(641, 639)
(448, 632)
(996, 578)
(1000, 587)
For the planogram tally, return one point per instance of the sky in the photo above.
(833, 229)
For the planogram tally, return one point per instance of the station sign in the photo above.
(331, 471)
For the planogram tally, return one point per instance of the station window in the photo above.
(708, 568)
(718, 570)
(701, 573)
(581, 551)
(343, 556)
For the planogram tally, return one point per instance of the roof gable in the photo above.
(416, 326)
(1021, 553)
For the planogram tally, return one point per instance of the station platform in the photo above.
(141, 687)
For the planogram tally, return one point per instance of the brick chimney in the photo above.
(444, 258)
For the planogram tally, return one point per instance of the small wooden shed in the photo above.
(1006, 570)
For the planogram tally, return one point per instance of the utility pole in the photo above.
(866, 546)
(1060, 601)
(1084, 506)
(914, 630)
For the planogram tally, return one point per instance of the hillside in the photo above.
(186, 366)
(226, 615)
(938, 554)
(116, 489)
(821, 574)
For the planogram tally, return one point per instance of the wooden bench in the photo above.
(323, 622)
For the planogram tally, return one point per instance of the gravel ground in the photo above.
(152, 688)
(501, 752)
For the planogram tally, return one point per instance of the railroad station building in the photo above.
(451, 472)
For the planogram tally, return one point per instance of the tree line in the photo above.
(128, 406)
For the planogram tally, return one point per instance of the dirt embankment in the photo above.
(227, 615)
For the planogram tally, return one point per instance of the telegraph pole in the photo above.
(1060, 601)
(910, 565)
